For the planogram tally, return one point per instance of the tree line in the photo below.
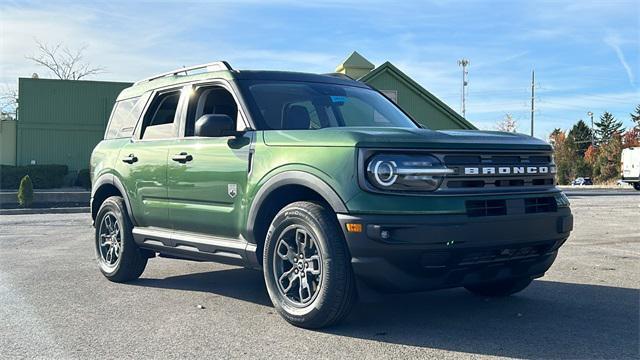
(583, 152)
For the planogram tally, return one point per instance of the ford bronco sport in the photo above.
(322, 183)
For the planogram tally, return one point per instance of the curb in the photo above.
(63, 210)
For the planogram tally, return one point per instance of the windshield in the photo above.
(282, 105)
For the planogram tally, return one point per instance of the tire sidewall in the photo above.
(298, 216)
(111, 206)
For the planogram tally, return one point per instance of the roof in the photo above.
(142, 87)
(355, 61)
(388, 67)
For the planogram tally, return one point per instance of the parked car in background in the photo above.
(631, 166)
(582, 181)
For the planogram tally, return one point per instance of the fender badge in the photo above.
(232, 190)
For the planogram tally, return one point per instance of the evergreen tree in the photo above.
(581, 135)
(635, 117)
(607, 127)
(25, 192)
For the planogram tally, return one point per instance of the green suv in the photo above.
(322, 183)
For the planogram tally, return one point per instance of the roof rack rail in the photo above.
(340, 75)
(212, 66)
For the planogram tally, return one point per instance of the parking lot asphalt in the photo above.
(54, 303)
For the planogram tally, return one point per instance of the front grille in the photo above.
(451, 258)
(540, 205)
(499, 207)
(501, 254)
(498, 171)
(496, 159)
(477, 208)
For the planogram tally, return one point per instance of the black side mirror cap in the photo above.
(215, 125)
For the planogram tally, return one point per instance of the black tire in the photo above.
(500, 288)
(636, 186)
(334, 287)
(131, 261)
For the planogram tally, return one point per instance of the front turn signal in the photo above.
(354, 227)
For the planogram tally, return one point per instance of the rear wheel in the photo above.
(119, 258)
(500, 288)
(636, 186)
(307, 266)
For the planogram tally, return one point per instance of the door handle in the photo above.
(130, 159)
(183, 157)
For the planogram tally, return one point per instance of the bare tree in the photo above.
(8, 101)
(508, 124)
(64, 63)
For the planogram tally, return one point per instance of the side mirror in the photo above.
(214, 125)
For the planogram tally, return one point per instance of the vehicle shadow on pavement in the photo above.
(547, 320)
(242, 284)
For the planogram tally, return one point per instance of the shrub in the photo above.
(42, 176)
(84, 179)
(25, 193)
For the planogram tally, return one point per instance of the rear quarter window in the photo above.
(124, 117)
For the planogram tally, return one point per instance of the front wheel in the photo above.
(307, 266)
(500, 288)
(119, 258)
(636, 186)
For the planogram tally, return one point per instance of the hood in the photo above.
(403, 138)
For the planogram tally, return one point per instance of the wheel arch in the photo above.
(105, 186)
(280, 190)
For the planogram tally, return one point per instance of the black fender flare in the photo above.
(292, 177)
(111, 179)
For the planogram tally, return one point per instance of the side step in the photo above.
(197, 247)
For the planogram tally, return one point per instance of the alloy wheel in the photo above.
(110, 240)
(297, 266)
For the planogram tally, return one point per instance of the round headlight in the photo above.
(385, 172)
(406, 172)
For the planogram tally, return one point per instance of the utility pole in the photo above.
(590, 113)
(464, 63)
(533, 96)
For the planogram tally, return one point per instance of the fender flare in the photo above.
(111, 179)
(292, 177)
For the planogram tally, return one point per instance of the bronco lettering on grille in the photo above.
(508, 170)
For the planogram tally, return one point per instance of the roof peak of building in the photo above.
(355, 60)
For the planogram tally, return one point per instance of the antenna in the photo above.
(464, 63)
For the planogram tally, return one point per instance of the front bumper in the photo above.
(397, 253)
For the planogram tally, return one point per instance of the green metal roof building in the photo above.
(60, 121)
(422, 105)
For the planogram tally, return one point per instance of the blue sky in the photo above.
(586, 54)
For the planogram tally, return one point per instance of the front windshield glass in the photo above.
(289, 105)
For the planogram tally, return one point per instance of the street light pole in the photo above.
(464, 63)
(591, 116)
